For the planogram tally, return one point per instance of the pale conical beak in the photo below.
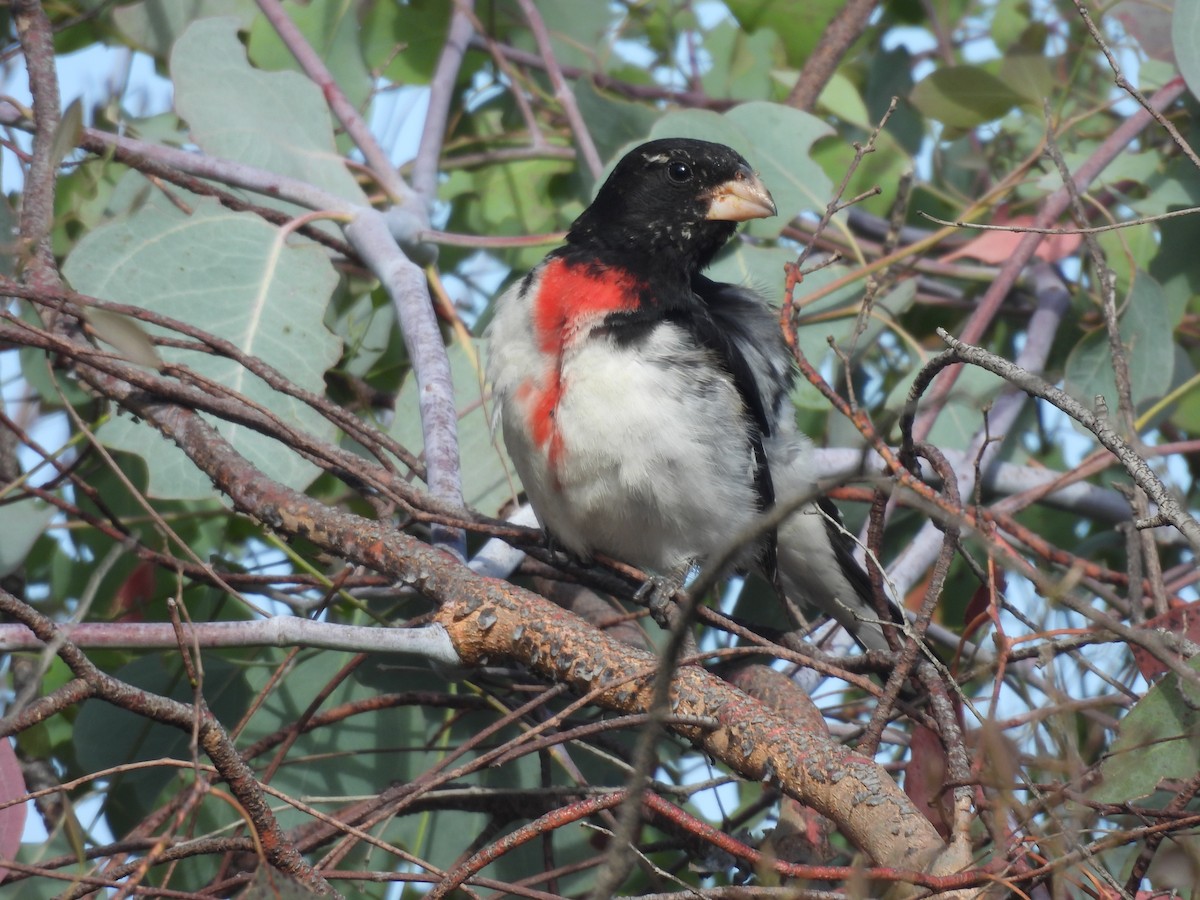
(740, 198)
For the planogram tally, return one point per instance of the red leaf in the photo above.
(12, 818)
(135, 594)
(996, 247)
(925, 779)
(1183, 620)
(976, 615)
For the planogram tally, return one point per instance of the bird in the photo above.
(646, 408)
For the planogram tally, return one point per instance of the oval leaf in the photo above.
(235, 276)
(964, 96)
(1185, 38)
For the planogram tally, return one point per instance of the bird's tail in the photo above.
(818, 571)
(815, 554)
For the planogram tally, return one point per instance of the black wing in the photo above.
(740, 328)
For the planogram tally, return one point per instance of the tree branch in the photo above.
(313, 66)
(1138, 469)
(1053, 207)
(841, 32)
(441, 91)
(562, 91)
(213, 738)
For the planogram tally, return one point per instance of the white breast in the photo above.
(653, 464)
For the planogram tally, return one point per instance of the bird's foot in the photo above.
(657, 592)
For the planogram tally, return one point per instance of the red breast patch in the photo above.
(570, 296)
(570, 299)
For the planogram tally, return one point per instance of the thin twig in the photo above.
(1138, 469)
(1053, 301)
(1054, 206)
(1078, 230)
(1124, 84)
(375, 156)
(562, 91)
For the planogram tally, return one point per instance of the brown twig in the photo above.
(562, 91)
(843, 30)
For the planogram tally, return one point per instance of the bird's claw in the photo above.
(657, 592)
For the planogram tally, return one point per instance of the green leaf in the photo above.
(331, 28)
(781, 139)
(1130, 252)
(404, 40)
(612, 121)
(1159, 738)
(1185, 40)
(1009, 22)
(1186, 411)
(799, 25)
(274, 120)
(741, 62)
(67, 134)
(234, 275)
(1172, 185)
(155, 25)
(368, 332)
(516, 197)
(1145, 326)
(1029, 76)
(841, 98)
(889, 74)
(21, 523)
(125, 335)
(964, 96)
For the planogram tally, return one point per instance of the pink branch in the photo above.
(1054, 207)
(314, 67)
(562, 90)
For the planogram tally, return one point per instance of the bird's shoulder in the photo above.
(744, 327)
(574, 299)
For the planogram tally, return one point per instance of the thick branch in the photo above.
(406, 285)
(441, 92)
(429, 642)
(490, 620)
(562, 90)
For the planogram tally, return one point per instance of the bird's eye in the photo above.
(679, 172)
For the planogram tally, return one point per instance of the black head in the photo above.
(672, 203)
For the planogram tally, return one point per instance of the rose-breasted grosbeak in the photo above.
(646, 407)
